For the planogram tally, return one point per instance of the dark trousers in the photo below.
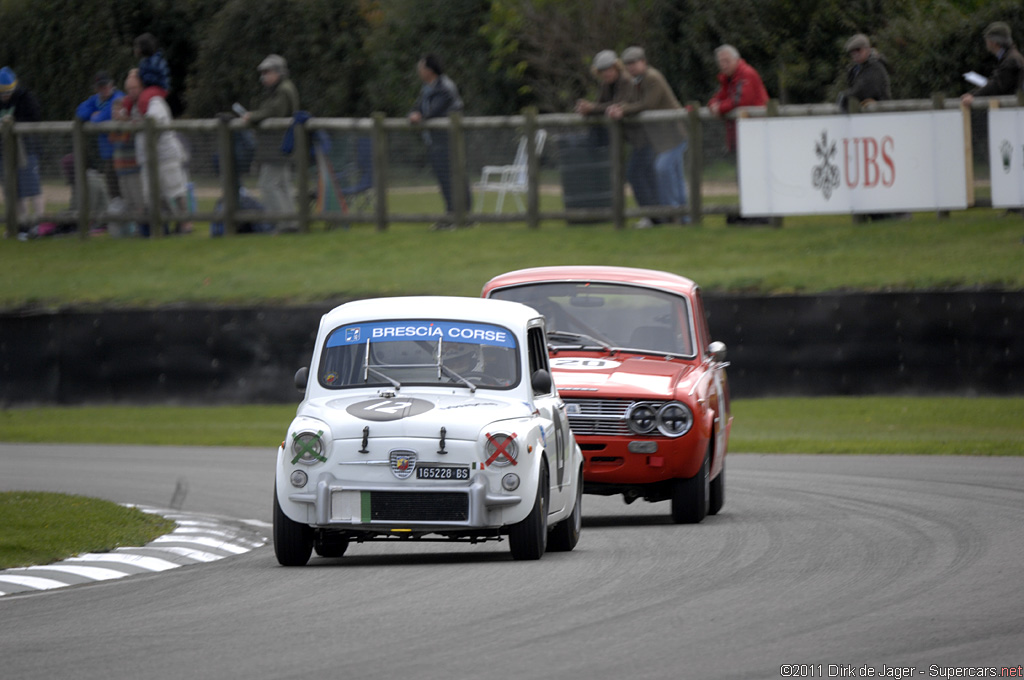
(440, 162)
(640, 175)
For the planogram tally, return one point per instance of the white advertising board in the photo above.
(1006, 156)
(868, 163)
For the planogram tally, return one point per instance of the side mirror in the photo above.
(541, 381)
(301, 378)
(717, 350)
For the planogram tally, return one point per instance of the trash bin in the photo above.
(586, 172)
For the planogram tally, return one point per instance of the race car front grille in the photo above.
(602, 417)
(401, 506)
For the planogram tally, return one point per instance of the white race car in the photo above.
(431, 418)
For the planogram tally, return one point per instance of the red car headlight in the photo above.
(674, 419)
(642, 418)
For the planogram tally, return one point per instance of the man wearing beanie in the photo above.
(20, 104)
(1009, 71)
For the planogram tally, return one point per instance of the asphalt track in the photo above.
(848, 561)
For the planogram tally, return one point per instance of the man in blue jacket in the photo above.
(96, 109)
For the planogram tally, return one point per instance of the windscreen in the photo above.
(419, 352)
(608, 315)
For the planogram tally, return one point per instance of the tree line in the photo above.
(354, 57)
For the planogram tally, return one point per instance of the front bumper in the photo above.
(647, 461)
(419, 508)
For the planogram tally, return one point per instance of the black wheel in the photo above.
(717, 492)
(528, 539)
(690, 496)
(293, 542)
(566, 534)
(330, 544)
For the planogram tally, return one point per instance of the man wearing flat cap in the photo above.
(281, 100)
(867, 78)
(1009, 71)
(615, 83)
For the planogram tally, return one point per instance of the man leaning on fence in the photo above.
(867, 78)
(651, 92)
(97, 109)
(439, 96)
(281, 100)
(1008, 76)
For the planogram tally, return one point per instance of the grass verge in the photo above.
(973, 248)
(902, 425)
(40, 528)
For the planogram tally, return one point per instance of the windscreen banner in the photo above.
(866, 163)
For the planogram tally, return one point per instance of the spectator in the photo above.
(740, 86)
(154, 72)
(1008, 76)
(651, 92)
(867, 78)
(97, 109)
(281, 100)
(616, 84)
(438, 97)
(170, 160)
(126, 165)
(617, 87)
(20, 104)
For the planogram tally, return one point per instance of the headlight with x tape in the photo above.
(308, 447)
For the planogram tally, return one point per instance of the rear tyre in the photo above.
(528, 539)
(330, 544)
(293, 542)
(566, 534)
(717, 492)
(690, 496)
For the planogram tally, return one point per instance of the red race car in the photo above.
(644, 386)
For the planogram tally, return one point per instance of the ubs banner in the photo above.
(868, 163)
(1006, 156)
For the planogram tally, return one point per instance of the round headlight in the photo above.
(299, 478)
(510, 482)
(674, 419)
(642, 418)
(308, 448)
(501, 449)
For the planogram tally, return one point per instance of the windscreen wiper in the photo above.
(367, 369)
(583, 339)
(452, 374)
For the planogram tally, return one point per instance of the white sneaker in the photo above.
(643, 223)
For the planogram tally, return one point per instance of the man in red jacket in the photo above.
(741, 86)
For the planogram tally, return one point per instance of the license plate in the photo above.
(430, 471)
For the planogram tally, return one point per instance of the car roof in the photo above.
(643, 277)
(512, 315)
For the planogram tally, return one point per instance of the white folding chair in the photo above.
(508, 179)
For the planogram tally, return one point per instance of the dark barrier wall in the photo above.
(904, 343)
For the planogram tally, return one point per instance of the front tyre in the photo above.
(566, 534)
(293, 542)
(690, 496)
(717, 492)
(330, 543)
(528, 539)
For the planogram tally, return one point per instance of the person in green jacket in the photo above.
(281, 100)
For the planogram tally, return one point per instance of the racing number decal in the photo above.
(582, 364)
(389, 409)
